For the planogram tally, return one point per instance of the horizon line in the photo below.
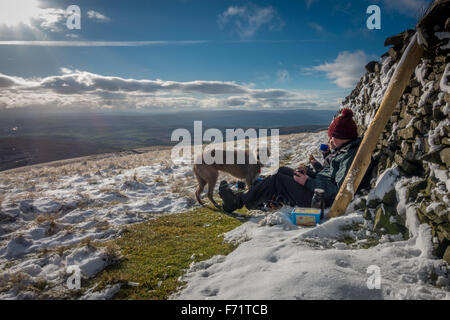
(94, 43)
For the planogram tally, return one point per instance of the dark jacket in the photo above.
(317, 166)
(331, 177)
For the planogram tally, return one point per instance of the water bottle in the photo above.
(318, 201)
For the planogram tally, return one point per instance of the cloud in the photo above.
(26, 19)
(30, 21)
(413, 8)
(97, 16)
(346, 69)
(63, 43)
(6, 82)
(248, 20)
(75, 88)
(50, 19)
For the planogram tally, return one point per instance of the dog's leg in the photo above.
(201, 186)
(249, 179)
(212, 179)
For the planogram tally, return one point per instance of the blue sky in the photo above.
(263, 54)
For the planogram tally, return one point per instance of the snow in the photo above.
(443, 84)
(384, 183)
(437, 133)
(275, 259)
(421, 70)
(442, 36)
(59, 208)
(427, 90)
(107, 293)
(88, 259)
(441, 175)
(275, 264)
(56, 214)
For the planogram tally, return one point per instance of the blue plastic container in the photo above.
(308, 217)
(324, 147)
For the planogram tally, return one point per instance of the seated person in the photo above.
(296, 186)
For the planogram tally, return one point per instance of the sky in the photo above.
(174, 55)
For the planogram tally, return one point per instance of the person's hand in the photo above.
(312, 159)
(303, 168)
(273, 206)
(300, 178)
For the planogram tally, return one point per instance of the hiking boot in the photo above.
(230, 201)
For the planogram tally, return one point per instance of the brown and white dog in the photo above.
(207, 174)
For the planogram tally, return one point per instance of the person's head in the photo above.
(336, 142)
(342, 129)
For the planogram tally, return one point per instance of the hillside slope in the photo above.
(49, 215)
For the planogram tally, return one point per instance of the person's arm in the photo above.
(317, 165)
(331, 186)
(325, 184)
(344, 167)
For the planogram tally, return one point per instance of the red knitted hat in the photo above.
(343, 127)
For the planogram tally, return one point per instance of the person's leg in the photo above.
(279, 184)
(259, 193)
(293, 192)
(286, 171)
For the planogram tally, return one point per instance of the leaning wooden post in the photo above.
(409, 61)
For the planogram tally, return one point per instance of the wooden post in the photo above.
(409, 61)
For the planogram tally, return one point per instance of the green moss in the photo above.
(371, 242)
(346, 239)
(354, 226)
(157, 252)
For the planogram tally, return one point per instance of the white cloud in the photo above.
(25, 15)
(413, 8)
(97, 16)
(346, 69)
(74, 88)
(62, 43)
(51, 19)
(249, 19)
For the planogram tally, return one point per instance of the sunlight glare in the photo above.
(15, 12)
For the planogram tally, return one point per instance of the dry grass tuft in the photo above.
(46, 217)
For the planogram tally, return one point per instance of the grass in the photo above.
(348, 240)
(285, 160)
(371, 242)
(157, 252)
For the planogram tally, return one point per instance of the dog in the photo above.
(207, 174)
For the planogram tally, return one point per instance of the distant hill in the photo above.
(29, 136)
